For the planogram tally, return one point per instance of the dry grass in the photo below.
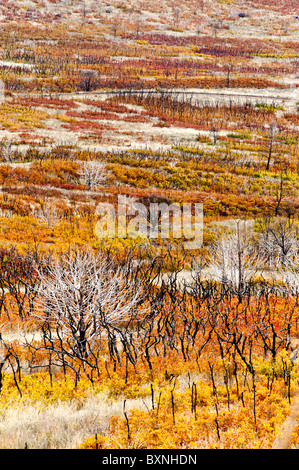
(62, 425)
(283, 440)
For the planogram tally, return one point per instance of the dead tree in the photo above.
(271, 135)
(19, 278)
(277, 241)
(82, 295)
(233, 261)
(92, 174)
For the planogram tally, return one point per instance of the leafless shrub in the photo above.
(48, 214)
(233, 261)
(277, 241)
(7, 151)
(83, 294)
(92, 174)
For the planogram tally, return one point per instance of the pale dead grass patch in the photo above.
(62, 425)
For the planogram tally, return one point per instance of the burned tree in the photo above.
(271, 139)
(233, 261)
(82, 295)
(92, 174)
